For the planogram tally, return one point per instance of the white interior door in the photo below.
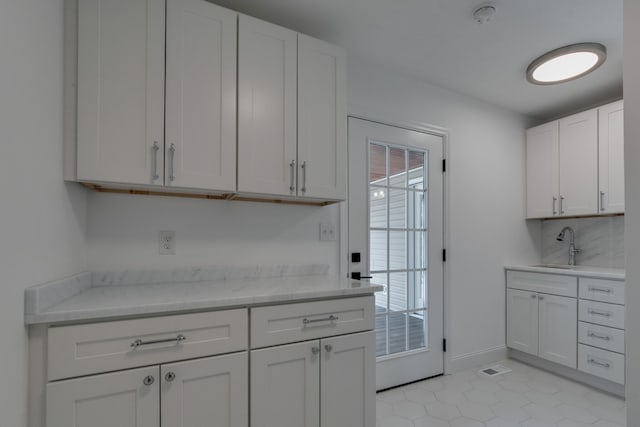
(396, 225)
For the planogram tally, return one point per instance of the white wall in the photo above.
(123, 233)
(42, 220)
(486, 206)
(632, 214)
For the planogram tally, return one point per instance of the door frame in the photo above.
(424, 127)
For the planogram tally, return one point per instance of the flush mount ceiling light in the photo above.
(484, 13)
(566, 63)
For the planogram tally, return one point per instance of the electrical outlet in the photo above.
(167, 243)
(327, 232)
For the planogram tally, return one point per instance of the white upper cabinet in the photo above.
(267, 108)
(542, 171)
(575, 165)
(120, 90)
(322, 119)
(611, 158)
(200, 148)
(579, 164)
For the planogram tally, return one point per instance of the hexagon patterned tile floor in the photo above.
(524, 397)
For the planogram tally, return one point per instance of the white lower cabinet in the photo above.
(543, 325)
(328, 382)
(179, 394)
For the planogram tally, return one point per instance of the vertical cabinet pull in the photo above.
(304, 177)
(154, 158)
(292, 170)
(555, 200)
(172, 155)
(561, 205)
(602, 201)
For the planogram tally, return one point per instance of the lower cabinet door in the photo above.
(285, 386)
(348, 381)
(558, 329)
(213, 391)
(124, 399)
(522, 321)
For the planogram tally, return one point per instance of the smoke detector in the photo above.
(484, 13)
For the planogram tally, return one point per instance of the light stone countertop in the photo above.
(80, 302)
(573, 270)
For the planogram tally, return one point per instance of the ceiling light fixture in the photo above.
(566, 63)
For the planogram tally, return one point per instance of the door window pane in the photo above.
(377, 207)
(397, 208)
(378, 250)
(397, 167)
(377, 164)
(397, 250)
(397, 291)
(417, 331)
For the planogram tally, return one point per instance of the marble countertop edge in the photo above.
(578, 270)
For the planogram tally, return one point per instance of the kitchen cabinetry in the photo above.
(611, 158)
(601, 327)
(292, 127)
(323, 381)
(573, 165)
(182, 394)
(312, 364)
(121, 132)
(541, 324)
(168, 91)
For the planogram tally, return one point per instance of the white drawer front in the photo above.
(601, 313)
(101, 347)
(601, 336)
(601, 363)
(602, 290)
(287, 323)
(554, 284)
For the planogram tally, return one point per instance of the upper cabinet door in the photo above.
(212, 391)
(611, 158)
(200, 148)
(120, 110)
(579, 164)
(322, 119)
(267, 107)
(542, 171)
(124, 399)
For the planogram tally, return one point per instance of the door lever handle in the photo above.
(356, 275)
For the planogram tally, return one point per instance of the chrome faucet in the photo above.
(572, 244)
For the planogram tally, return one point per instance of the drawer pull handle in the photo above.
(595, 362)
(604, 291)
(331, 318)
(599, 313)
(138, 343)
(598, 336)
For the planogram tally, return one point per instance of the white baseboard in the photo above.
(476, 359)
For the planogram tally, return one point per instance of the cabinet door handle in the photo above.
(561, 205)
(292, 167)
(598, 313)
(540, 297)
(315, 350)
(170, 376)
(148, 380)
(603, 290)
(304, 177)
(154, 157)
(598, 336)
(172, 155)
(328, 348)
(331, 318)
(602, 201)
(598, 363)
(138, 343)
(555, 200)
(534, 296)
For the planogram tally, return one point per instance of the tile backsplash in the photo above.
(601, 241)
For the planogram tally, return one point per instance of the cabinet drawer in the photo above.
(555, 284)
(101, 347)
(611, 291)
(601, 363)
(601, 337)
(286, 323)
(601, 313)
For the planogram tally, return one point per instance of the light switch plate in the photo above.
(327, 231)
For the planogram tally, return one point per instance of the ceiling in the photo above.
(439, 42)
